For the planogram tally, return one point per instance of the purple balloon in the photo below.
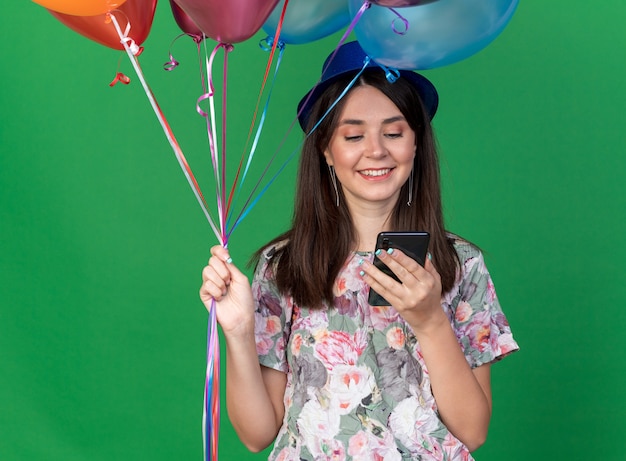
(228, 21)
(185, 23)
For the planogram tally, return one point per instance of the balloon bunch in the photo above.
(397, 34)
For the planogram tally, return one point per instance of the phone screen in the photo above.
(413, 243)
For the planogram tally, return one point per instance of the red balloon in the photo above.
(100, 28)
(228, 21)
(401, 3)
(185, 23)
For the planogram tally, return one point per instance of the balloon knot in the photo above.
(391, 73)
(267, 43)
(135, 49)
(197, 38)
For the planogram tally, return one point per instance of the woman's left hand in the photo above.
(417, 297)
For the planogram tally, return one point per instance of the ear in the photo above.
(328, 156)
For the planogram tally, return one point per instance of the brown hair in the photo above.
(322, 234)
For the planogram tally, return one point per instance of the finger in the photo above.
(430, 267)
(214, 281)
(403, 266)
(407, 261)
(382, 287)
(221, 253)
(217, 269)
(211, 291)
(378, 280)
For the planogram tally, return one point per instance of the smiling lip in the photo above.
(377, 173)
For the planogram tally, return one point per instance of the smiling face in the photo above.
(372, 149)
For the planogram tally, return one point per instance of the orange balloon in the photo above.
(140, 14)
(80, 7)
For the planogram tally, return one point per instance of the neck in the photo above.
(368, 221)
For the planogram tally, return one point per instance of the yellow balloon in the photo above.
(80, 7)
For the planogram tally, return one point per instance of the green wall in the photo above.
(102, 334)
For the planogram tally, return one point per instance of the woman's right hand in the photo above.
(229, 288)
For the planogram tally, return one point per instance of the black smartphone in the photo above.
(411, 243)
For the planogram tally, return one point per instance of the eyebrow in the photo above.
(350, 121)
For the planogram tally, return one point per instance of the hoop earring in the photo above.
(410, 188)
(333, 179)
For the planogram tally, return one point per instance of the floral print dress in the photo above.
(357, 385)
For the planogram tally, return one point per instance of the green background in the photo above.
(102, 334)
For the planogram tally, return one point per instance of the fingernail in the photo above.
(430, 257)
(229, 260)
(378, 252)
(360, 261)
(362, 273)
(389, 251)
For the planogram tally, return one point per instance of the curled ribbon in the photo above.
(404, 20)
(120, 78)
(171, 64)
(227, 48)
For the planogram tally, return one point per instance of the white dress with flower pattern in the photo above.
(357, 385)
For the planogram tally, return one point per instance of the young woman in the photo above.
(311, 366)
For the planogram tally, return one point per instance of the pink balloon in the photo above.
(401, 3)
(228, 21)
(185, 23)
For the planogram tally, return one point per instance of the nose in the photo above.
(376, 147)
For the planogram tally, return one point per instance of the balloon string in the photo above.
(255, 143)
(276, 44)
(250, 202)
(219, 167)
(211, 407)
(173, 63)
(129, 46)
(208, 88)
(366, 61)
(405, 23)
(212, 132)
(264, 114)
(224, 210)
(348, 31)
(294, 152)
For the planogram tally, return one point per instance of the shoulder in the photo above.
(271, 252)
(268, 257)
(472, 265)
(465, 249)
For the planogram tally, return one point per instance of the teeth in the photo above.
(375, 172)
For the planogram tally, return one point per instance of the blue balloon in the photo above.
(308, 20)
(430, 35)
